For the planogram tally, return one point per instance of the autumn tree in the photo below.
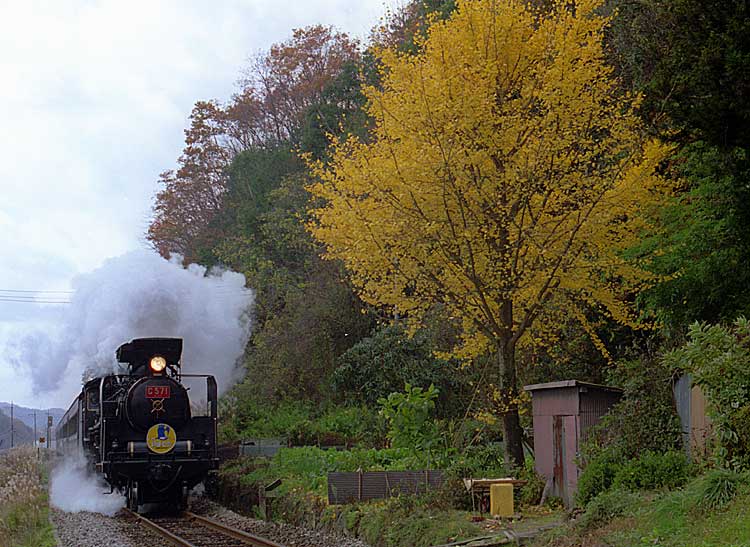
(268, 112)
(192, 195)
(505, 174)
(294, 73)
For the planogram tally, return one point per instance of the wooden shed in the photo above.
(563, 413)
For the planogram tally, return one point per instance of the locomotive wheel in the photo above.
(184, 497)
(133, 497)
(180, 498)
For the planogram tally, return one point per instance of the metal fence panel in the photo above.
(266, 448)
(370, 485)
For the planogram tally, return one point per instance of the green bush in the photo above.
(307, 467)
(479, 461)
(390, 358)
(531, 492)
(649, 471)
(409, 416)
(606, 506)
(598, 476)
(475, 461)
(404, 522)
(653, 470)
(349, 425)
(303, 425)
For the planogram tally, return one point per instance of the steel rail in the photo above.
(169, 536)
(211, 524)
(245, 537)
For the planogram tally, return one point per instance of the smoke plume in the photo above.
(137, 295)
(74, 488)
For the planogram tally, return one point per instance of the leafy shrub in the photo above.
(479, 461)
(410, 424)
(308, 466)
(349, 425)
(598, 476)
(302, 425)
(403, 521)
(653, 470)
(719, 487)
(531, 492)
(649, 471)
(606, 506)
(386, 361)
(473, 461)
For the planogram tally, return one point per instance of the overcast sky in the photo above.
(93, 102)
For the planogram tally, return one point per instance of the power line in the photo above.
(27, 296)
(32, 300)
(36, 291)
(51, 294)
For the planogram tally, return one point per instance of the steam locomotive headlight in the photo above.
(158, 363)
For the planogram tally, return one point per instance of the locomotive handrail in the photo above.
(212, 391)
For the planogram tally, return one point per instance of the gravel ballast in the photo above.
(286, 534)
(85, 529)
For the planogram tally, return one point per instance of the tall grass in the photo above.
(24, 509)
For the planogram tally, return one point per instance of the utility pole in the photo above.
(49, 429)
(12, 425)
(36, 439)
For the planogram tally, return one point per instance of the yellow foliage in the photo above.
(504, 176)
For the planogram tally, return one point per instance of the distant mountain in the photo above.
(20, 433)
(26, 415)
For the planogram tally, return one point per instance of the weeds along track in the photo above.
(191, 530)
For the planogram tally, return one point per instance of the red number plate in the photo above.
(157, 392)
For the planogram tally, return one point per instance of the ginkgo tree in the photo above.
(505, 174)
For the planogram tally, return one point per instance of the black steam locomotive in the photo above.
(139, 429)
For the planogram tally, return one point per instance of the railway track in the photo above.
(191, 530)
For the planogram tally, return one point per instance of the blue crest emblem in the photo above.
(162, 432)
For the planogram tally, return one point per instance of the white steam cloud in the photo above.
(140, 294)
(74, 488)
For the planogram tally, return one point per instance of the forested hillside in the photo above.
(22, 434)
(418, 210)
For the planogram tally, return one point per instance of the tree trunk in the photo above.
(512, 433)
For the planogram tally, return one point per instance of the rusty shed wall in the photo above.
(555, 402)
(571, 451)
(544, 459)
(546, 404)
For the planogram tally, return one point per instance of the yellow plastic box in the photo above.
(501, 500)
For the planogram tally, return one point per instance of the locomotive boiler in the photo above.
(140, 430)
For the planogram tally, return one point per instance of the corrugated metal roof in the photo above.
(570, 383)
